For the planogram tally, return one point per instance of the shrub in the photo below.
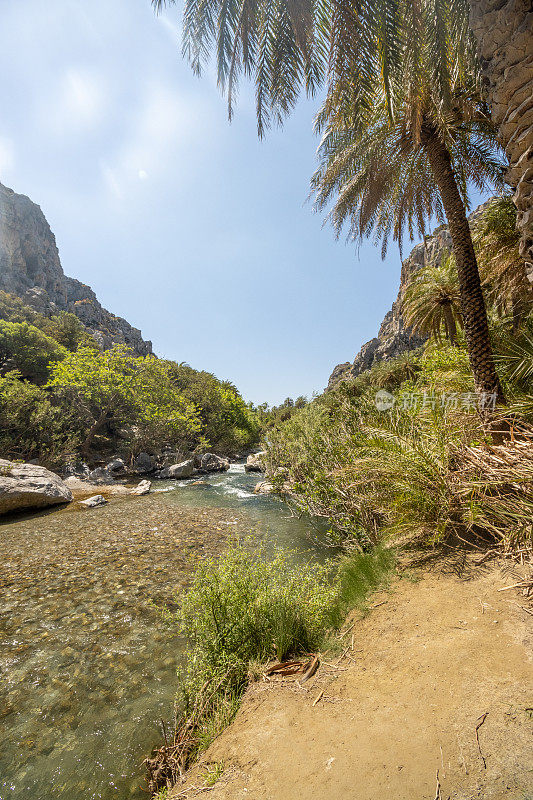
(245, 607)
(240, 609)
(32, 425)
(28, 350)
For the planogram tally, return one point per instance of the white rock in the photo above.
(254, 462)
(142, 488)
(29, 486)
(95, 500)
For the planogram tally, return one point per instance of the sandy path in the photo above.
(425, 666)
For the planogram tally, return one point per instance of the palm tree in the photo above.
(432, 301)
(403, 104)
(385, 171)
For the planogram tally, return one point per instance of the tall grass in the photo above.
(409, 471)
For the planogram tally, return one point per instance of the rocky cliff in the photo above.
(504, 32)
(394, 337)
(30, 268)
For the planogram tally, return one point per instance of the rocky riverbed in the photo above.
(87, 665)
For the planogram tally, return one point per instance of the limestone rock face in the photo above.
(30, 268)
(29, 486)
(504, 32)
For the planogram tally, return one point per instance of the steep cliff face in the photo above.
(30, 268)
(504, 32)
(394, 337)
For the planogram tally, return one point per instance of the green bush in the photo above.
(28, 350)
(243, 610)
(246, 607)
(32, 425)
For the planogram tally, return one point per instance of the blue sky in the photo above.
(191, 228)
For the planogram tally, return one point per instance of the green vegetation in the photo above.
(59, 395)
(416, 470)
(28, 350)
(432, 301)
(244, 610)
(416, 465)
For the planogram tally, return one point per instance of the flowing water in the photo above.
(87, 666)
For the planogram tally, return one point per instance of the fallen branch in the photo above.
(481, 720)
(318, 698)
(437, 792)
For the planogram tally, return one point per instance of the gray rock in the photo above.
(254, 462)
(76, 469)
(100, 475)
(184, 470)
(94, 501)
(144, 463)
(209, 462)
(503, 29)
(30, 268)
(142, 488)
(116, 466)
(109, 473)
(29, 486)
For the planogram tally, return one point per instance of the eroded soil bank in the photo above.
(399, 710)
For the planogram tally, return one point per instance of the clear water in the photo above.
(87, 667)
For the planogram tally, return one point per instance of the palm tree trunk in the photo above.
(449, 322)
(472, 303)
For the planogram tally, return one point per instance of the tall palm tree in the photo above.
(432, 301)
(384, 173)
(403, 102)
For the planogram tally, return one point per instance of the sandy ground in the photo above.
(422, 669)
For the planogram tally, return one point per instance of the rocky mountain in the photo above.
(394, 337)
(31, 269)
(504, 33)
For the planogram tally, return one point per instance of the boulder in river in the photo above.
(184, 470)
(142, 488)
(109, 473)
(209, 462)
(29, 486)
(254, 462)
(263, 487)
(94, 501)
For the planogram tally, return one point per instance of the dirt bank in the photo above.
(436, 658)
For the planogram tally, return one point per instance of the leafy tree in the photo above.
(27, 349)
(32, 425)
(432, 301)
(117, 387)
(227, 422)
(67, 329)
(386, 173)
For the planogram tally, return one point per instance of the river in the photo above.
(87, 665)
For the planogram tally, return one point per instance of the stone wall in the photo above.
(504, 32)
